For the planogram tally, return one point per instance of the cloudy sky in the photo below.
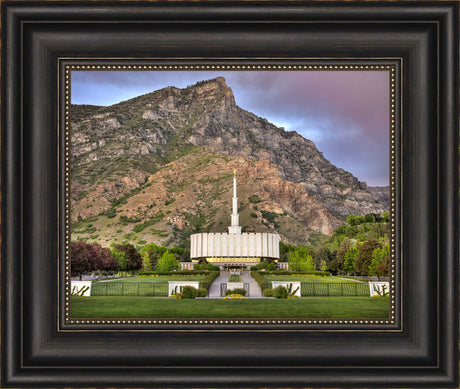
(345, 113)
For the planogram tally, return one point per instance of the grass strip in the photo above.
(145, 307)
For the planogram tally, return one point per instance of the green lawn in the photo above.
(234, 278)
(309, 279)
(138, 286)
(144, 307)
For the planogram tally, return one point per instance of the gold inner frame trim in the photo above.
(68, 68)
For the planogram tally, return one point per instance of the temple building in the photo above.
(234, 250)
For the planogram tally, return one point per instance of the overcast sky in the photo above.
(345, 113)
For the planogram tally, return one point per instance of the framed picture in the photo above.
(154, 150)
(188, 190)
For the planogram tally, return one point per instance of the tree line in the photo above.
(92, 257)
(359, 247)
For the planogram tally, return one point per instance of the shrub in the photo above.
(202, 292)
(189, 292)
(280, 292)
(292, 273)
(205, 266)
(175, 273)
(268, 292)
(271, 266)
(236, 291)
(254, 199)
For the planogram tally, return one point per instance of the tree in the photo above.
(133, 258)
(185, 256)
(369, 218)
(168, 262)
(323, 266)
(107, 261)
(81, 258)
(285, 250)
(120, 257)
(351, 220)
(383, 270)
(354, 220)
(364, 257)
(87, 257)
(378, 258)
(151, 253)
(322, 257)
(342, 251)
(350, 257)
(300, 260)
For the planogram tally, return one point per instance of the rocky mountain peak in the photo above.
(210, 90)
(147, 132)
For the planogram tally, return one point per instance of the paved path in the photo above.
(214, 290)
(254, 290)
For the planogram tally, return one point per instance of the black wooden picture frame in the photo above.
(419, 350)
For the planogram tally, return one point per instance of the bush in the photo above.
(271, 266)
(254, 199)
(294, 273)
(205, 266)
(236, 291)
(175, 273)
(202, 292)
(189, 292)
(280, 292)
(268, 292)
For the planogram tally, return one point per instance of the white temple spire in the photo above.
(234, 228)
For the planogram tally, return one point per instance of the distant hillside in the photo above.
(382, 193)
(158, 167)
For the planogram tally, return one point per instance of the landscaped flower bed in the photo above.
(234, 296)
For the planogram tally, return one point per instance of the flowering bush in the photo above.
(234, 296)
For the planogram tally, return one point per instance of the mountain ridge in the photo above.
(121, 146)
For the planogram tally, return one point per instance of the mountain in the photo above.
(158, 167)
(382, 193)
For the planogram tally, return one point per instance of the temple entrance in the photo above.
(233, 268)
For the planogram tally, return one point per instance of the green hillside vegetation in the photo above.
(137, 219)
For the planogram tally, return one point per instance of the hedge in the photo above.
(294, 273)
(174, 273)
(259, 278)
(206, 282)
(236, 291)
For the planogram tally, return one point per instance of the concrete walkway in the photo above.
(254, 290)
(214, 290)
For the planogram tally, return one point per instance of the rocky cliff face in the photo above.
(382, 193)
(116, 149)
